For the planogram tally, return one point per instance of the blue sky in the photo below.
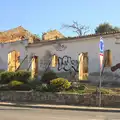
(39, 16)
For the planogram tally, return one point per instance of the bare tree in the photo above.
(77, 28)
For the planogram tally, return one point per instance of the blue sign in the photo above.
(101, 45)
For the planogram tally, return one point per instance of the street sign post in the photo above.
(101, 47)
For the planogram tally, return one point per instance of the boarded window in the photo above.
(54, 61)
(83, 66)
(13, 60)
(107, 58)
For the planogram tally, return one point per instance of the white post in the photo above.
(101, 47)
(100, 90)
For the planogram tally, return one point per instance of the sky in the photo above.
(39, 16)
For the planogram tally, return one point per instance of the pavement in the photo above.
(60, 107)
(18, 113)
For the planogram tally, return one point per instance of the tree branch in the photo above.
(77, 28)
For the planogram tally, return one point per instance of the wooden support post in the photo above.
(83, 66)
(80, 74)
(107, 58)
(34, 71)
(9, 62)
(54, 60)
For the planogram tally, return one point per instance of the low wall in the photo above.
(57, 98)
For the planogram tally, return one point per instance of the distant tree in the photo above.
(37, 35)
(116, 29)
(106, 27)
(77, 28)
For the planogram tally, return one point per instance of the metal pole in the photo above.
(100, 91)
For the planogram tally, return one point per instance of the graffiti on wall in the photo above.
(59, 47)
(66, 63)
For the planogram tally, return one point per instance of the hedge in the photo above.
(6, 77)
(48, 76)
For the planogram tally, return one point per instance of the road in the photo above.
(13, 113)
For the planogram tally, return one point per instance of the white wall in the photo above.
(6, 48)
(72, 49)
(75, 47)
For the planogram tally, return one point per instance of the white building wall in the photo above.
(6, 48)
(70, 48)
(75, 47)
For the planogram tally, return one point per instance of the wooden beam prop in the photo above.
(34, 71)
(54, 60)
(107, 58)
(83, 66)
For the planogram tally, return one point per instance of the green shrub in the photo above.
(82, 87)
(51, 88)
(15, 83)
(48, 76)
(42, 88)
(34, 82)
(6, 77)
(103, 91)
(46, 88)
(60, 84)
(1, 70)
(106, 91)
(22, 87)
(22, 76)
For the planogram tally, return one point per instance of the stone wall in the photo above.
(57, 98)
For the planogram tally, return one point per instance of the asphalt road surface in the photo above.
(13, 113)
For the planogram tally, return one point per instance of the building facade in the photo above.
(13, 50)
(68, 51)
(62, 55)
